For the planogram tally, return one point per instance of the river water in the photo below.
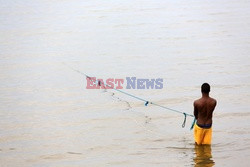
(49, 118)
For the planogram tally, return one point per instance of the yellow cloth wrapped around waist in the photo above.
(202, 135)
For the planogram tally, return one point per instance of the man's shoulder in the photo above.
(197, 101)
(213, 100)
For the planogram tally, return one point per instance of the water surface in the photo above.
(49, 118)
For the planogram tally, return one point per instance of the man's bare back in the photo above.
(203, 110)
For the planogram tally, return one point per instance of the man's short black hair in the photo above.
(205, 88)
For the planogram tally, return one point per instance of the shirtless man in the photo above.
(203, 112)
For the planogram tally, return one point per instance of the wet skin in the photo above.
(203, 109)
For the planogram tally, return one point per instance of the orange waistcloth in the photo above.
(202, 135)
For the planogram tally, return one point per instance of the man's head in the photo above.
(205, 88)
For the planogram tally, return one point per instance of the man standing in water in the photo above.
(203, 112)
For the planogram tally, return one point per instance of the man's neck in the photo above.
(205, 95)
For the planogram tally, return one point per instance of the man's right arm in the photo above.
(195, 111)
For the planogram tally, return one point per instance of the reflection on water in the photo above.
(203, 157)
